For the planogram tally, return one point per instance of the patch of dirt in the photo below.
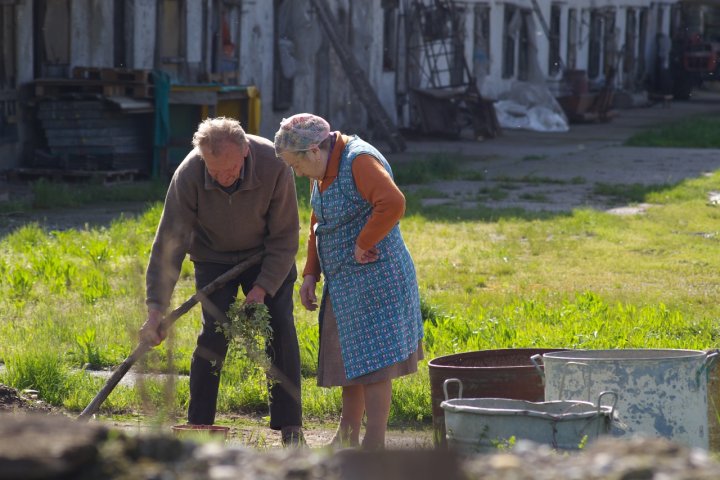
(558, 172)
(13, 400)
(252, 431)
(52, 447)
(245, 429)
(91, 216)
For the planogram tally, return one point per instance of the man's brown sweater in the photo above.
(201, 219)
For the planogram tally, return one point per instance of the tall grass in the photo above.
(691, 133)
(488, 279)
(47, 194)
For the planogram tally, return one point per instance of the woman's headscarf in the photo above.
(301, 132)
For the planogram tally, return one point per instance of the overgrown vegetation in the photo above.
(73, 300)
(701, 132)
(434, 167)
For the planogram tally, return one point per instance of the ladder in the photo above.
(358, 79)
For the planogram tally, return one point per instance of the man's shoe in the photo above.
(292, 437)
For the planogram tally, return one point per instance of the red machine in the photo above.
(695, 55)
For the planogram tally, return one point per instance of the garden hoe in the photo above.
(167, 322)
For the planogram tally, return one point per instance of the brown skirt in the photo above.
(331, 369)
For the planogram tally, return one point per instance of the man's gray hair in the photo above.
(213, 132)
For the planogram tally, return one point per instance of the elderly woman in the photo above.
(370, 323)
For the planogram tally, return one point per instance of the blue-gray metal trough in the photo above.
(661, 393)
(477, 425)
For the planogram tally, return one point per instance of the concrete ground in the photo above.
(533, 171)
(559, 171)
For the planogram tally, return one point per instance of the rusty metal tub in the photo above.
(501, 373)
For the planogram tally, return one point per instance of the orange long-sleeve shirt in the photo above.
(376, 186)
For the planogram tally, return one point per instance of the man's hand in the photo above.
(366, 256)
(152, 332)
(307, 293)
(256, 295)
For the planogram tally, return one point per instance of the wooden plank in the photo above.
(92, 140)
(131, 104)
(60, 86)
(113, 74)
(193, 97)
(96, 134)
(79, 115)
(358, 79)
(75, 123)
(105, 176)
(97, 149)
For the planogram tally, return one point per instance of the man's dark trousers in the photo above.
(212, 346)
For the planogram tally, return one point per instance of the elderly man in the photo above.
(229, 199)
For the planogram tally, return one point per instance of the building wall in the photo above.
(256, 54)
(319, 83)
(143, 27)
(91, 33)
(10, 153)
(195, 28)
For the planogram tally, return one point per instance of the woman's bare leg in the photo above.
(353, 407)
(377, 406)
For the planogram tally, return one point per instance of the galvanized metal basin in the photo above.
(476, 425)
(502, 373)
(662, 393)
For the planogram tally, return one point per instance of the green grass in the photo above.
(628, 193)
(49, 194)
(434, 167)
(488, 279)
(701, 132)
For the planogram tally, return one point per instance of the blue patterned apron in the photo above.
(377, 305)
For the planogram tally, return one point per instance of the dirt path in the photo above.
(558, 172)
(552, 172)
(245, 429)
(67, 218)
(252, 431)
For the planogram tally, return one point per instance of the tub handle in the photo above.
(586, 373)
(534, 359)
(448, 382)
(705, 367)
(614, 396)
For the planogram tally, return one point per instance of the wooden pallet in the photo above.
(105, 177)
(55, 87)
(113, 74)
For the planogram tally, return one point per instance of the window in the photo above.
(120, 46)
(8, 73)
(517, 43)
(227, 39)
(630, 42)
(596, 28)
(51, 38)
(390, 8)
(171, 37)
(554, 63)
(642, 42)
(511, 25)
(7, 47)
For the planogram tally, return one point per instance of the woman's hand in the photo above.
(366, 256)
(307, 293)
